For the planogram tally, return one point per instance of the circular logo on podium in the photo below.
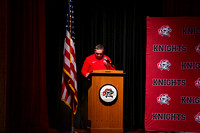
(108, 94)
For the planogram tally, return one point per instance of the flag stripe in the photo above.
(67, 61)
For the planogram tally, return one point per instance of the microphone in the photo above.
(107, 60)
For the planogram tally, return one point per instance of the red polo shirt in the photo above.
(92, 63)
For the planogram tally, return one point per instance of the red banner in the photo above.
(173, 74)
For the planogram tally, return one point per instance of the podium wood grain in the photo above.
(103, 117)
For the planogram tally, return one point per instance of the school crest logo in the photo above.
(163, 99)
(108, 93)
(164, 65)
(197, 117)
(164, 31)
(197, 83)
(198, 48)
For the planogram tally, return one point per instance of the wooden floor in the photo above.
(131, 131)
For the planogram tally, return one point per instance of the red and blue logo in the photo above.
(163, 99)
(197, 117)
(164, 31)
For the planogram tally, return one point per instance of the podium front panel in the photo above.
(101, 114)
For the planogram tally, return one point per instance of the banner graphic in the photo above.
(172, 99)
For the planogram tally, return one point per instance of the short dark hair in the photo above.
(99, 46)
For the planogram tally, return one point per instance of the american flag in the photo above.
(69, 75)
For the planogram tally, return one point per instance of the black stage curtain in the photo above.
(175, 8)
(121, 27)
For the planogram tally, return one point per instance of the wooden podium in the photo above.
(105, 117)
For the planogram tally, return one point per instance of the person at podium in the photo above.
(97, 61)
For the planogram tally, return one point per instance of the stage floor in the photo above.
(131, 131)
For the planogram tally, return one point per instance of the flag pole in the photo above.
(70, 31)
(72, 119)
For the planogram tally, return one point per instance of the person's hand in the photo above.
(106, 64)
(87, 75)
